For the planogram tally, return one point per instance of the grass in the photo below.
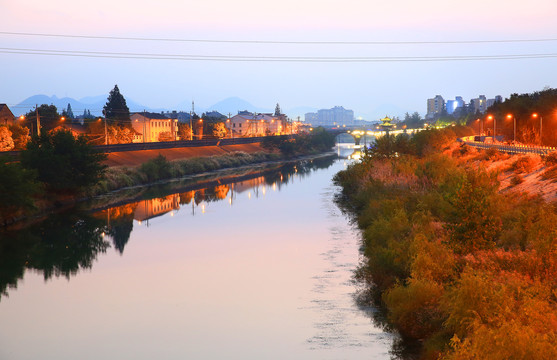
(160, 168)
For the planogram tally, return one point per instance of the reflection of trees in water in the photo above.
(67, 242)
(59, 246)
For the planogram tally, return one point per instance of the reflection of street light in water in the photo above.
(264, 190)
(249, 195)
(203, 208)
(274, 186)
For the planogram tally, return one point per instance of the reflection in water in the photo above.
(66, 242)
(216, 275)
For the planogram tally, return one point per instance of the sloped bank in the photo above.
(462, 269)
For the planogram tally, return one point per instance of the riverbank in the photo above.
(136, 158)
(462, 259)
(127, 180)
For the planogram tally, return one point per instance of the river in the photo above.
(255, 266)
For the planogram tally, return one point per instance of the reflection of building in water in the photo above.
(245, 185)
(148, 209)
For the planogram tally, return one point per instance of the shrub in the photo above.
(516, 180)
(156, 169)
(525, 164)
(62, 162)
(551, 158)
(414, 308)
(550, 173)
(17, 188)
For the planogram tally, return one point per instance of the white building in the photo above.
(152, 125)
(256, 125)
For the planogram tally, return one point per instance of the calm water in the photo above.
(255, 269)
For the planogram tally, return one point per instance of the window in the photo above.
(240, 125)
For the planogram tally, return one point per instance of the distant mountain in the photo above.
(94, 104)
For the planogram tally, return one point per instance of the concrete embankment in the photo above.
(135, 158)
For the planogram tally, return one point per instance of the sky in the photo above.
(395, 28)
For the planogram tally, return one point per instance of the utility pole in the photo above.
(541, 142)
(230, 122)
(38, 120)
(144, 119)
(191, 117)
(105, 132)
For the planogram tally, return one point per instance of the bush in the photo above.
(62, 162)
(551, 158)
(156, 169)
(516, 180)
(550, 173)
(525, 164)
(17, 189)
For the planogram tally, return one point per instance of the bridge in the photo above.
(359, 132)
(508, 148)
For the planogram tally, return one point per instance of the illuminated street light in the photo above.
(491, 117)
(536, 115)
(510, 116)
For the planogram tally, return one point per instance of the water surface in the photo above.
(256, 269)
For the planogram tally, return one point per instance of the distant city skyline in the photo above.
(375, 58)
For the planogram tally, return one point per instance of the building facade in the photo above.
(256, 125)
(435, 107)
(336, 116)
(453, 105)
(6, 115)
(154, 127)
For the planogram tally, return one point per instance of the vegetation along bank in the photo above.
(464, 265)
(58, 168)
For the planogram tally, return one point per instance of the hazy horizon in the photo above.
(77, 67)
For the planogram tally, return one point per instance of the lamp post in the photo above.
(535, 115)
(509, 116)
(490, 117)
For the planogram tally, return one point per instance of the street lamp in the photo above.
(535, 115)
(509, 116)
(490, 117)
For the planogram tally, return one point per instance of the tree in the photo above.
(48, 116)
(17, 188)
(20, 135)
(277, 110)
(6, 141)
(68, 113)
(184, 131)
(116, 108)
(219, 130)
(120, 134)
(62, 162)
(87, 114)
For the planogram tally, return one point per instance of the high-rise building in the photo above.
(331, 117)
(454, 105)
(480, 104)
(311, 118)
(435, 107)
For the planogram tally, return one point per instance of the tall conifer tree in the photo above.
(116, 109)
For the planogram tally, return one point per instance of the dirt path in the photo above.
(134, 158)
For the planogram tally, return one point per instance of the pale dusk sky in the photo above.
(369, 88)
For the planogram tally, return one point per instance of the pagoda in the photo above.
(386, 124)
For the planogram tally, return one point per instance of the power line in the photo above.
(243, 58)
(281, 42)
